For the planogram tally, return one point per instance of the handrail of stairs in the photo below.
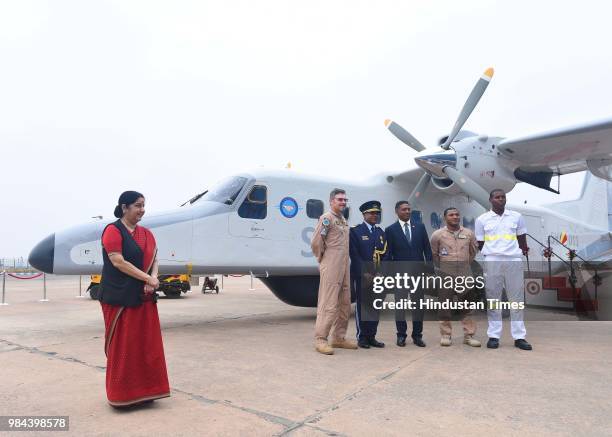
(549, 253)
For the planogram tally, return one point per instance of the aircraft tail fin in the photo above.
(594, 206)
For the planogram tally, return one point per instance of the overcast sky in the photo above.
(168, 97)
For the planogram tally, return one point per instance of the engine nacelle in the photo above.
(474, 156)
(462, 134)
(483, 166)
(445, 185)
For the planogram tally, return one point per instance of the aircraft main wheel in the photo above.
(94, 292)
(217, 289)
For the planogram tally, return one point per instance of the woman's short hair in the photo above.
(127, 198)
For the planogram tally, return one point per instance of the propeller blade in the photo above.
(404, 136)
(468, 186)
(469, 105)
(419, 189)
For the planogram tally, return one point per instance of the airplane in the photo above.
(261, 222)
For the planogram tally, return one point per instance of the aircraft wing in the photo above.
(564, 151)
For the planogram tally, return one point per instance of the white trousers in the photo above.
(505, 273)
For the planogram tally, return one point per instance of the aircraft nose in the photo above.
(41, 257)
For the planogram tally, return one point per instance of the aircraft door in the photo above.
(249, 220)
(535, 227)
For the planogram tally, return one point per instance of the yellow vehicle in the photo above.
(94, 287)
(171, 285)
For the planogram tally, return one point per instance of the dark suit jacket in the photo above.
(398, 248)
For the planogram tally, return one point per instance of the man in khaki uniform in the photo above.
(330, 244)
(453, 248)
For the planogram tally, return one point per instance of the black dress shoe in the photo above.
(375, 343)
(493, 343)
(401, 341)
(522, 344)
(363, 343)
(419, 342)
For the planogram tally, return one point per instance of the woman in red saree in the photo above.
(136, 366)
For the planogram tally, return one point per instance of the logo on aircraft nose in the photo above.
(289, 207)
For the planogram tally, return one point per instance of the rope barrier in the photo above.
(32, 276)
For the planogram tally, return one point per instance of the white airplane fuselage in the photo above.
(211, 236)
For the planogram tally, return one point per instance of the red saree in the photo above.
(135, 362)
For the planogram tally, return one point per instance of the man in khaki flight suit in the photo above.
(330, 244)
(453, 248)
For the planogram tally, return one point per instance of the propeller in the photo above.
(469, 105)
(420, 188)
(404, 136)
(467, 185)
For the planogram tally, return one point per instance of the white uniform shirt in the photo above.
(499, 233)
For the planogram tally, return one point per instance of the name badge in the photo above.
(365, 237)
(444, 252)
(462, 237)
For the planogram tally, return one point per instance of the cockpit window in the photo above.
(226, 191)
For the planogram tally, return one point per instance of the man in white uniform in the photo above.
(502, 238)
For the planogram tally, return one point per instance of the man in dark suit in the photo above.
(367, 248)
(408, 242)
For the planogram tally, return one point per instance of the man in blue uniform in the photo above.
(367, 244)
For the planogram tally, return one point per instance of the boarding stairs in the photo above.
(569, 281)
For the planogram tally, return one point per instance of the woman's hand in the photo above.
(152, 281)
(148, 289)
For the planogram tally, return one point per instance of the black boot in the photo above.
(375, 343)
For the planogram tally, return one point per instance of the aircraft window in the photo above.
(255, 206)
(416, 217)
(469, 222)
(226, 191)
(346, 211)
(314, 208)
(436, 220)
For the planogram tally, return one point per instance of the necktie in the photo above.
(407, 232)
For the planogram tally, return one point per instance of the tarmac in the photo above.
(242, 363)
